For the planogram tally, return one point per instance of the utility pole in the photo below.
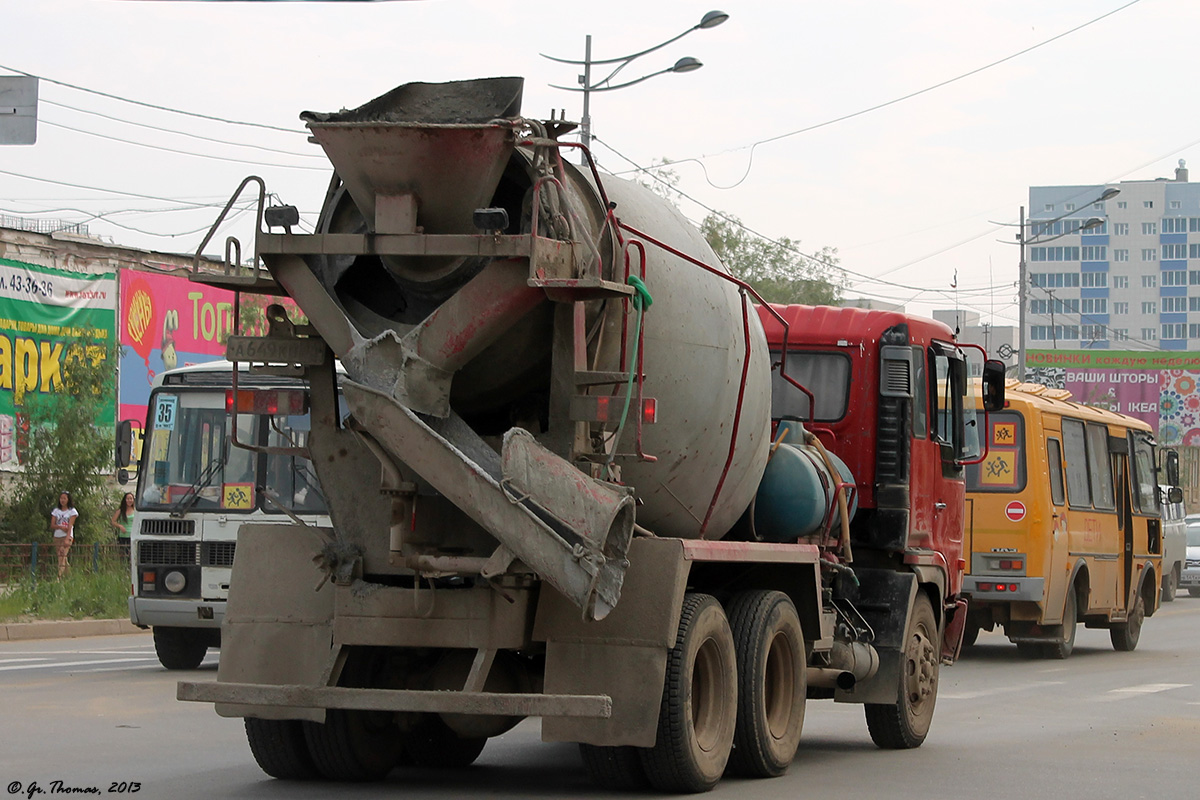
(1022, 297)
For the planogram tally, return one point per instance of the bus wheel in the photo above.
(616, 769)
(971, 633)
(280, 749)
(905, 723)
(1125, 635)
(180, 648)
(1070, 618)
(699, 702)
(1031, 650)
(772, 683)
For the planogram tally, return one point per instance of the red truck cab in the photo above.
(889, 399)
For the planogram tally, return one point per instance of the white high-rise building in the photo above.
(1132, 282)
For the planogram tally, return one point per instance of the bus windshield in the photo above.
(191, 464)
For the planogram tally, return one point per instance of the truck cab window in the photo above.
(826, 375)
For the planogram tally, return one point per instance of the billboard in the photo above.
(1158, 387)
(166, 322)
(42, 310)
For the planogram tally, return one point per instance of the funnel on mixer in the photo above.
(445, 143)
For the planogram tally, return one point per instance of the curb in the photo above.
(65, 629)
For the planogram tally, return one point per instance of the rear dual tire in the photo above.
(698, 712)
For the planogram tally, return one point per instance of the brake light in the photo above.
(649, 410)
(985, 587)
(1011, 564)
(292, 402)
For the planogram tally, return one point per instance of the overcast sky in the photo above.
(906, 192)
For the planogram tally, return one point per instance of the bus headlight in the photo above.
(174, 581)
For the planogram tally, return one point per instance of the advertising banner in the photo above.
(166, 322)
(1157, 387)
(42, 311)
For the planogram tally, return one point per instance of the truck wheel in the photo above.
(699, 702)
(1063, 649)
(432, 744)
(616, 769)
(1125, 635)
(905, 723)
(180, 648)
(279, 748)
(354, 745)
(772, 683)
(1170, 585)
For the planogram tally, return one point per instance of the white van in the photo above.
(1190, 577)
(1174, 547)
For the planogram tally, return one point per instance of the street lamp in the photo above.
(1023, 277)
(686, 64)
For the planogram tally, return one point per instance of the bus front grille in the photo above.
(217, 554)
(168, 527)
(166, 553)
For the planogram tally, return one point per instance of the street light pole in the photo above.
(1022, 297)
(686, 64)
(585, 124)
(1023, 267)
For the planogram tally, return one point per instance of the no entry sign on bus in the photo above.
(1015, 511)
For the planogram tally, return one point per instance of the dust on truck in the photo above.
(559, 491)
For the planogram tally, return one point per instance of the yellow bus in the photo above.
(1063, 524)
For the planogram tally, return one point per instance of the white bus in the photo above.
(197, 484)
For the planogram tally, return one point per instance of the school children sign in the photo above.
(42, 311)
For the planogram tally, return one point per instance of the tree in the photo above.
(63, 447)
(776, 269)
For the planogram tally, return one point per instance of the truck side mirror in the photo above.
(993, 384)
(1173, 467)
(1175, 495)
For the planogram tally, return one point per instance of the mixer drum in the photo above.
(696, 336)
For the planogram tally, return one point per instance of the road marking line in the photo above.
(123, 669)
(15, 660)
(72, 664)
(943, 695)
(1149, 688)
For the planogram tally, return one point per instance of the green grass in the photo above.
(80, 595)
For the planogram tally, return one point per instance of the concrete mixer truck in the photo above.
(579, 474)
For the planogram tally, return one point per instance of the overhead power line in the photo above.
(180, 152)
(153, 105)
(183, 133)
(754, 145)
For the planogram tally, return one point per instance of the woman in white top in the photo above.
(62, 525)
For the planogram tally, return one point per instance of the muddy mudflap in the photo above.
(885, 600)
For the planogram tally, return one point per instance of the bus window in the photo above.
(1079, 490)
(1003, 470)
(1054, 461)
(1145, 482)
(1100, 467)
(292, 479)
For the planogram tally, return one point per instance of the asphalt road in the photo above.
(101, 713)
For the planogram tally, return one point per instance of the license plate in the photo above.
(269, 350)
